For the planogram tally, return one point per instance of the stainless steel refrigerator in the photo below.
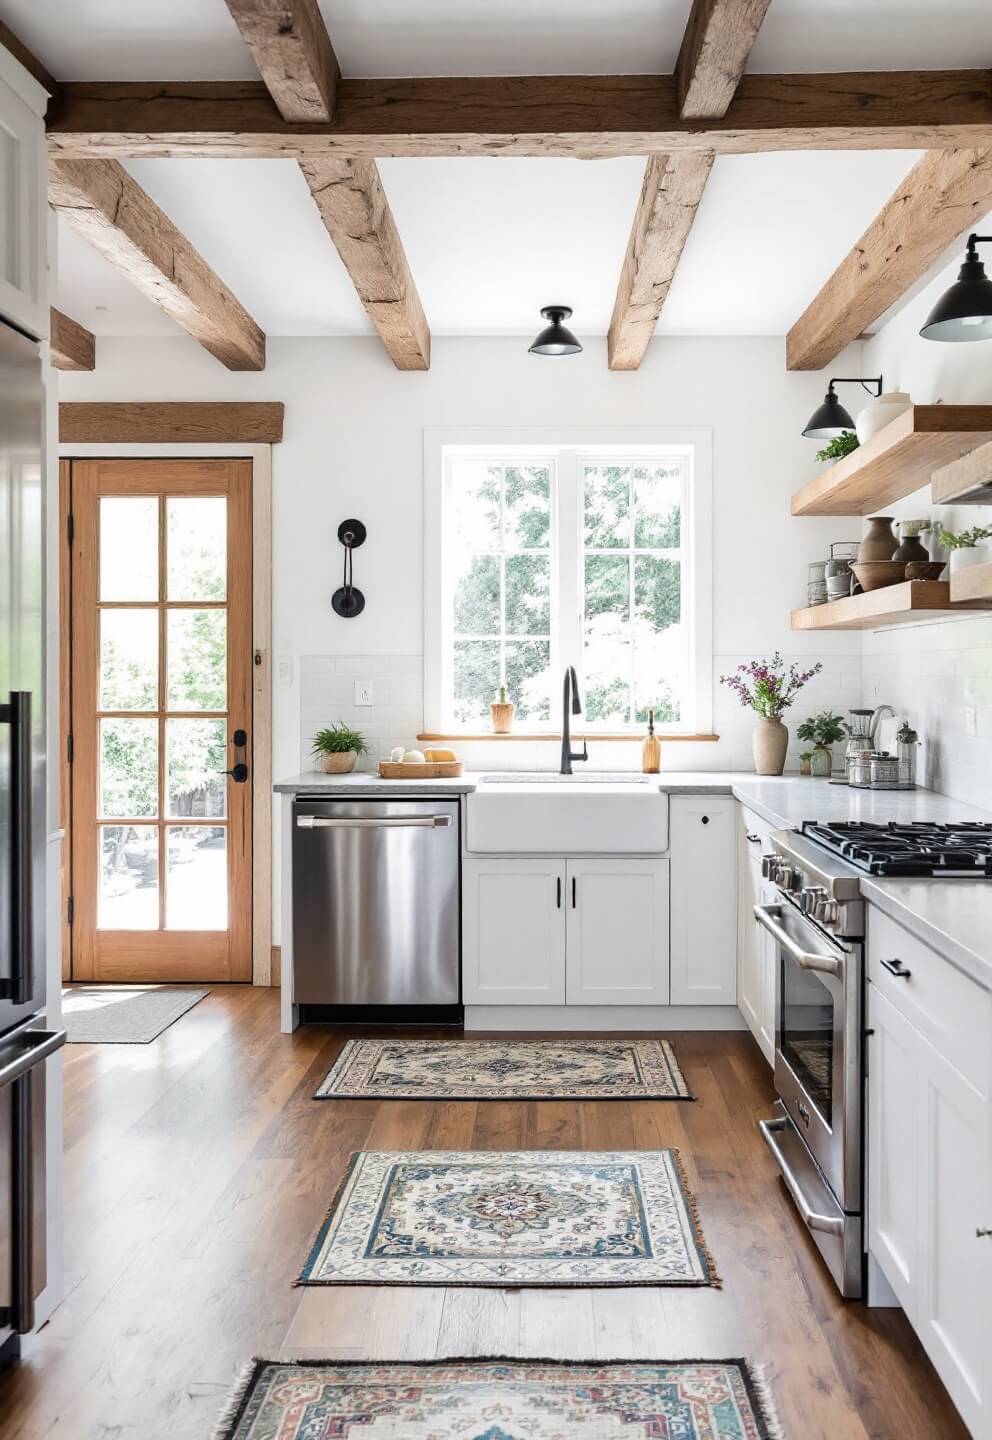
(25, 1042)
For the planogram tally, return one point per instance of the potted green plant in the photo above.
(824, 730)
(966, 546)
(339, 747)
(839, 446)
(769, 688)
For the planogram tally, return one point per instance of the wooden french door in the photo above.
(160, 717)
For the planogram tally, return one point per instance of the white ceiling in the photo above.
(197, 39)
(489, 246)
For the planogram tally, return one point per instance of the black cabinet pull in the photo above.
(573, 892)
(558, 883)
(705, 820)
(896, 968)
(753, 839)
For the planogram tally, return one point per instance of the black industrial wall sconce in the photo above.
(831, 419)
(348, 601)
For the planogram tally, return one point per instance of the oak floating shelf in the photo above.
(966, 481)
(972, 585)
(895, 462)
(892, 605)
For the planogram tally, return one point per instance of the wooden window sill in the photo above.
(591, 735)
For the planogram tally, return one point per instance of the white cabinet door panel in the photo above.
(617, 934)
(23, 213)
(956, 1202)
(894, 1157)
(704, 899)
(513, 929)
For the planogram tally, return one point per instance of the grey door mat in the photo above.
(123, 1015)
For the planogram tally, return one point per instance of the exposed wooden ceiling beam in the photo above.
(71, 345)
(294, 55)
(30, 61)
(673, 187)
(940, 199)
(101, 202)
(715, 47)
(353, 206)
(586, 116)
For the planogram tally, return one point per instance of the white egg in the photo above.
(413, 757)
(396, 754)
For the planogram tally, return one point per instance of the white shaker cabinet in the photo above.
(23, 199)
(559, 931)
(930, 1156)
(513, 927)
(704, 899)
(756, 954)
(617, 932)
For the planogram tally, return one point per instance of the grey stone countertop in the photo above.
(953, 916)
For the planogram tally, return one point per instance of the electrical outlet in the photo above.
(284, 669)
(363, 692)
(970, 720)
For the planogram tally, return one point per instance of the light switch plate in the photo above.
(284, 669)
(970, 720)
(363, 692)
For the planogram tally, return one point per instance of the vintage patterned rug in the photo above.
(506, 1070)
(499, 1400)
(461, 1217)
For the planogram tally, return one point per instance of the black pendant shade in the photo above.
(829, 420)
(555, 339)
(964, 312)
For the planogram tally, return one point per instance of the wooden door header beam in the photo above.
(588, 116)
(178, 422)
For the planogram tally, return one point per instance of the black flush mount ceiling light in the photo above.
(964, 312)
(555, 339)
(831, 419)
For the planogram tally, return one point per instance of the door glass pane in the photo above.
(196, 752)
(196, 548)
(128, 660)
(129, 547)
(128, 885)
(196, 888)
(128, 768)
(197, 659)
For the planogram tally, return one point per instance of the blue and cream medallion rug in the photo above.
(462, 1217)
(505, 1070)
(500, 1400)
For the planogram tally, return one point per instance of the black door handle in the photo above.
(238, 772)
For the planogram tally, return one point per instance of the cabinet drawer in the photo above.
(946, 1006)
(754, 833)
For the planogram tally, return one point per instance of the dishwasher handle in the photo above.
(383, 822)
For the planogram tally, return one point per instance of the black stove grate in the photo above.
(921, 847)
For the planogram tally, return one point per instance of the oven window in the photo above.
(808, 1033)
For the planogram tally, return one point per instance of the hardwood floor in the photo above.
(198, 1167)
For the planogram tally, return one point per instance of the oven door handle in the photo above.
(812, 1219)
(766, 916)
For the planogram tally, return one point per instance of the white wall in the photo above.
(938, 674)
(353, 446)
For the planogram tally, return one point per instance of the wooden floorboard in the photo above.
(198, 1168)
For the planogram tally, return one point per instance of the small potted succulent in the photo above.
(501, 712)
(338, 748)
(824, 730)
(967, 547)
(769, 688)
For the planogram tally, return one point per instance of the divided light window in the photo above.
(563, 556)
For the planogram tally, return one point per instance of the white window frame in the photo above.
(570, 446)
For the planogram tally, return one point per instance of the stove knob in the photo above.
(810, 897)
(768, 864)
(826, 910)
(793, 880)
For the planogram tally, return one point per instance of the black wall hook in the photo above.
(349, 601)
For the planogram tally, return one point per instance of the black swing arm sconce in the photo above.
(348, 601)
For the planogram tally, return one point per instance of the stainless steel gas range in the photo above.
(818, 925)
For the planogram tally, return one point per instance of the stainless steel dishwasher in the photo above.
(376, 923)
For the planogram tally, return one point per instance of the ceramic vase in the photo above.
(821, 761)
(911, 550)
(501, 717)
(879, 541)
(339, 762)
(880, 412)
(769, 742)
(967, 555)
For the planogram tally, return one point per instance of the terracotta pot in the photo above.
(879, 541)
(501, 717)
(769, 742)
(339, 762)
(821, 761)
